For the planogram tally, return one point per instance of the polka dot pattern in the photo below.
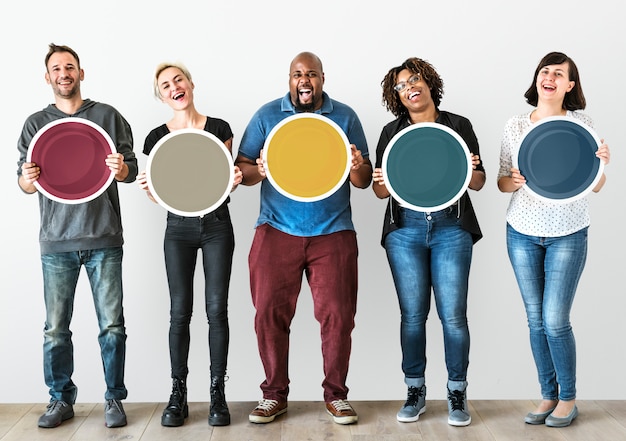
(528, 214)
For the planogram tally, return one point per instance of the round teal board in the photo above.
(427, 167)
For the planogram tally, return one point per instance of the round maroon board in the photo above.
(71, 154)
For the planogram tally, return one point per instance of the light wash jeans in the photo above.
(60, 276)
(430, 251)
(547, 270)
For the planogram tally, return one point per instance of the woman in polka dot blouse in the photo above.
(547, 242)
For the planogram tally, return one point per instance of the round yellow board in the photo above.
(307, 157)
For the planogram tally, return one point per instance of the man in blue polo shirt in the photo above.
(315, 238)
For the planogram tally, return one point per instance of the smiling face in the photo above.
(64, 75)
(175, 89)
(553, 82)
(416, 95)
(306, 80)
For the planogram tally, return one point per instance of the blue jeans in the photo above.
(60, 277)
(184, 236)
(431, 251)
(547, 270)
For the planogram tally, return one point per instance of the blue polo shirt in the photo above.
(297, 218)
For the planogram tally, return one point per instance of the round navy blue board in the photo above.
(557, 156)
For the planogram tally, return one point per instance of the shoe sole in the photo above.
(172, 422)
(411, 419)
(460, 423)
(345, 419)
(268, 419)
(219, 421)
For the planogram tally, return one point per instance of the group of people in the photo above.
(429, 253)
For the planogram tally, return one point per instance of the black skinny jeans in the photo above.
(184, 236)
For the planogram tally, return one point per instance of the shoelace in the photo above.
(267, 405)
(341, 405)
(52, 407)
(114, 404)
(414, 395)
(456, 399)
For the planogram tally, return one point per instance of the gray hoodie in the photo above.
(89, 225)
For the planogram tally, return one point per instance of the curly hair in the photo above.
(574, 99)
(391, 98)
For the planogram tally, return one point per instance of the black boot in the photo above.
(218, 414)
(177, 410)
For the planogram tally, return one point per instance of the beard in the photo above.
(67, 93)
(302, 107)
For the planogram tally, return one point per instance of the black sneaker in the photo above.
(56, 412)
(114, 415)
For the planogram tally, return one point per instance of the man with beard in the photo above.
(85, 234)
(314, 238)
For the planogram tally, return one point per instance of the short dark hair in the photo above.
(391, 99)
(575, 98)
(53, 48)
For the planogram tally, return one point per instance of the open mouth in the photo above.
(179, 96)
(305, 94)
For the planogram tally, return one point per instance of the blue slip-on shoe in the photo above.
(552, 421)
(538, 418)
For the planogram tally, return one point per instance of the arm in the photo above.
(124, 162)
(361, 169)
(117, 164)
(30, 173)
(236, 170)
(509, 184)
(605, 156)
(379, 187)
(478, 178)
(253, 172)
(477, 181)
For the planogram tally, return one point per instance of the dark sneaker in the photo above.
(414, 406)
(458, 412)
(267, 411)
(342, 412)
(114, 415)
(56, 413)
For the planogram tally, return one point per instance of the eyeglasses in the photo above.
(402, 85)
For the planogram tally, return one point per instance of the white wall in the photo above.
(239, 53)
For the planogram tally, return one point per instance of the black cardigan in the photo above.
(463, 127)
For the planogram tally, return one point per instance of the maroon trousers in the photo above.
(277, 261)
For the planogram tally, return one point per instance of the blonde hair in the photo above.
(166, 65)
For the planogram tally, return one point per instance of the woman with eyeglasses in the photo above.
(429, 251)
(547, 242)
(213, 235)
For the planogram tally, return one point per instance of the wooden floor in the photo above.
(308, 421)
